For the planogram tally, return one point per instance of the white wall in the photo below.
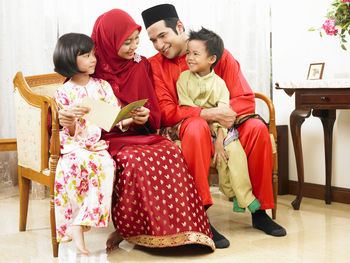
(294, 48)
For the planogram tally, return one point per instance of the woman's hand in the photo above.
(140, 115)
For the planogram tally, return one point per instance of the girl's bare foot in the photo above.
(113, 241)
(86, 228)
(77, 235)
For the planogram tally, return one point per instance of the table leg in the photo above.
(297, 118)
(327, 118)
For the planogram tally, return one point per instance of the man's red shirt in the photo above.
(166, 72)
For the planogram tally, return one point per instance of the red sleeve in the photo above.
(165, 75)
(242, 99)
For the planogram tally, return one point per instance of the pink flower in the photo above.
(346, 1)
(94, 182)
(59, 187)
(83, 182)
(83, 187)
(93, 167)
(84, 174)
(96, 210)
(68, 214)
(328, 26)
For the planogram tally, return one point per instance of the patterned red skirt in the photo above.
(155, 201)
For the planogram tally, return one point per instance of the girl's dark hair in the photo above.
(68, 47)
(213, 42)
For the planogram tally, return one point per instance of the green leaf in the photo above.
(343, 47)
(320, 34)
(311, 29)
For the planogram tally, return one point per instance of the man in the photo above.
(167, 34)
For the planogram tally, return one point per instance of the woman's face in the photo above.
(127, 49)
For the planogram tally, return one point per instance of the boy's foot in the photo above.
(76, 232)
(254, 206)
(236, 207)
(219, 240)
(264, 223)
(113, 241)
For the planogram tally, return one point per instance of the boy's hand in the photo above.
(219, 153)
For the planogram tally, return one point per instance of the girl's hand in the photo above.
(140, 115)
(68, 115)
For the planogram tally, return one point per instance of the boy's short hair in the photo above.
(213, 42)
(68, 47)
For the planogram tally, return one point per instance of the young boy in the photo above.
(201, 87)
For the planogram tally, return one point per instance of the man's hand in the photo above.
(140, 115)
(223, 115)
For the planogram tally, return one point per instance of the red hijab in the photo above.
(131, 79)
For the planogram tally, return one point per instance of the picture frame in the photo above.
(315, 71)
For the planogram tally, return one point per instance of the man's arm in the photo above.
(242, 99)
(164, 84)
(223, 115)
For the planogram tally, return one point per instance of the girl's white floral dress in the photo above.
(85, 171)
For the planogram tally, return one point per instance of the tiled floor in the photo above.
(316, 233)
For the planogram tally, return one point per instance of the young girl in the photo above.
(85, 170)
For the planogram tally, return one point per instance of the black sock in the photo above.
(263, 222)
(219, 240)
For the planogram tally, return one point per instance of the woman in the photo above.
(155, 202)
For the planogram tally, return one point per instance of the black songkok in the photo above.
(157, 13)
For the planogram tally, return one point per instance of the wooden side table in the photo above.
(321, 98)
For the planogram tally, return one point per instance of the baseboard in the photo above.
(338, 194)
(8, 145)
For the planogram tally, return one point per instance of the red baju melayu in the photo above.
(195, 138)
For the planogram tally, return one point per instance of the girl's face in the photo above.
(127, 49)
(197, 57)
(87, 62)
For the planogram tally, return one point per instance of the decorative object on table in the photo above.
(338, 21)
(315, 71)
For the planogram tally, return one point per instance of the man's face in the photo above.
(166, 41)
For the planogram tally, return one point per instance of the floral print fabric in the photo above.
(85, 170)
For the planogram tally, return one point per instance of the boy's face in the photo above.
(165, 41)
(197, 57)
